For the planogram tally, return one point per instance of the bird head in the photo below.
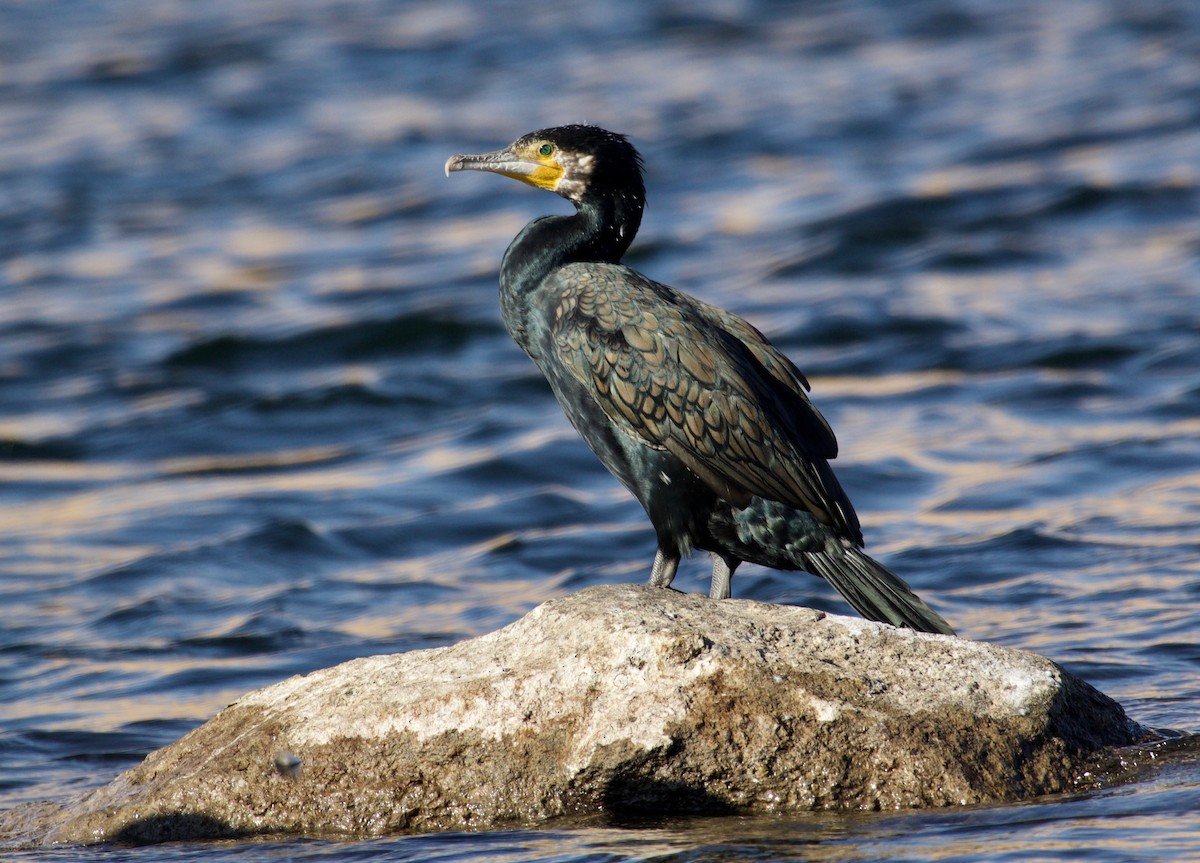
(575, 161)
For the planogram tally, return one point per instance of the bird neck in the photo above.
(600, 231)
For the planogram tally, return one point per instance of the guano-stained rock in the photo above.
(621, 698)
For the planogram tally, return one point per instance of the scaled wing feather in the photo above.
(698, 382)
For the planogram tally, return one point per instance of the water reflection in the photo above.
(258, 414)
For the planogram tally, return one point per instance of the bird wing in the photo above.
(698, 382)
(818, 437)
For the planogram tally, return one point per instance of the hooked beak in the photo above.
(499, 162)
(509, 164)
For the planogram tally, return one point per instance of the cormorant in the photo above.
(689, 406)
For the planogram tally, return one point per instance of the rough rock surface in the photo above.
(619, 697)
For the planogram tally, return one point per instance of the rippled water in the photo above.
(258, 414)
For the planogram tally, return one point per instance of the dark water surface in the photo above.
(258, 414)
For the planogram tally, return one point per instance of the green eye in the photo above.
(545, 149)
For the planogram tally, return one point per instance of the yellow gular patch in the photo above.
(544, 176)
(542, 171)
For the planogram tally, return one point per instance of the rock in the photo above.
(621, 698)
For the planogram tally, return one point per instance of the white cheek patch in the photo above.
(577, 173)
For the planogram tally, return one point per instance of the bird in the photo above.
(697, 414)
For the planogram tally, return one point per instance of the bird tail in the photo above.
(874, 591)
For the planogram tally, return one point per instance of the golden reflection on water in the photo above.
(103, 708)
(133, 489)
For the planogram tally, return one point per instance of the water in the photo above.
(258, 414)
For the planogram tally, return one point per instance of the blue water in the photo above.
(258, 414)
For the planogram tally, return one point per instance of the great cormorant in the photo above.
(691, 408)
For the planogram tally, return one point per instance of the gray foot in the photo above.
(722, 574)
(663, 571)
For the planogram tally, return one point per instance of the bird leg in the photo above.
(722, 574)
(663, 571)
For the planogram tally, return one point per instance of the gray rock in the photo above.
(620, 698)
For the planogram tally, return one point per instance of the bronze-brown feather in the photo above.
(664, 368)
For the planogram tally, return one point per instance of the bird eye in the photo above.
(545, 149)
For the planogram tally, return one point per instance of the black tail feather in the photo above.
(874, 591)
